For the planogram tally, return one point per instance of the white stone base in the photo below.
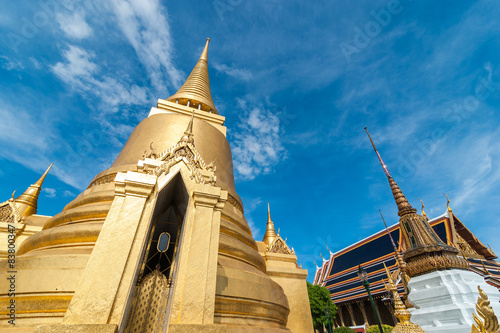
(445, 300)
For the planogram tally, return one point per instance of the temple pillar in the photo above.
(362, 307)
(194, 292)
(341, 315)
(126, 225)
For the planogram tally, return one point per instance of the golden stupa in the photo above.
(158, 241)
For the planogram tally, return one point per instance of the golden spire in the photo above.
(403, 315)
(425, 251)
(270, 234)
(195, 92)
(404, 206)
(27, 202)
(188, 134)
(423, 213)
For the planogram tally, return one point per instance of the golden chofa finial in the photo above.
(485, 321)
(448, 203)
(423, 213)
(195, 92)
(27, 202)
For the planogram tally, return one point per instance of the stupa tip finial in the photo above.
(204, 54)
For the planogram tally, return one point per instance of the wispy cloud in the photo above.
(82, 74)
(144, 24)
(10, 64)
(240, 74)
(257, 145)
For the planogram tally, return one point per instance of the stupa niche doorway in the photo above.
(153, 288)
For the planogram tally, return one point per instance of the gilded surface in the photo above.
(195, 92)
(236, 272)
(149, 307)
(486, 321)
(404, 325)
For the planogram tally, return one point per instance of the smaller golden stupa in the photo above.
(403, 315)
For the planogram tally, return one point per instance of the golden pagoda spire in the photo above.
(195, 92)
(404, 206)
(403, 315)
(425, 251)
(270, 234)
(27, 202)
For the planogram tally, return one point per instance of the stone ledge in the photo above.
(78, 328)
(182, 328)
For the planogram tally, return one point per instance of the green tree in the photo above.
(344, 330)
(319, 299)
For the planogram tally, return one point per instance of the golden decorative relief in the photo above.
(231, 200)
(434, 261)
(486, 321)
(464, 247)
(185, 151)
(280, 246)
(9, 211)
(150, 305)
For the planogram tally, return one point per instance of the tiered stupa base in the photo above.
(445, 300)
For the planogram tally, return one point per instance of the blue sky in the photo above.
(297, 83)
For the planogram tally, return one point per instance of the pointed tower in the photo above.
(441, 286)
(27, 202)
(425, 251)
(403, 315)
(195, 92)
(282, 267)
(169, 222)
(270, 234)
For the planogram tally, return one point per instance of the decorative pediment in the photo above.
(183, 151)
(280, 246)
(9, 211)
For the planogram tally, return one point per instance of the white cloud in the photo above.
(148, 32)
(241, 74)
(68, 194)
(257, 145)
(10, 64)
(49, 192)
(81, 74)
(74, 25)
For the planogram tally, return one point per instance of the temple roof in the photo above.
(339, 273)
(195, 92)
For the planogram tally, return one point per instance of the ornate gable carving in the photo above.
(280, 246)
(186, 152)
(9, 211)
